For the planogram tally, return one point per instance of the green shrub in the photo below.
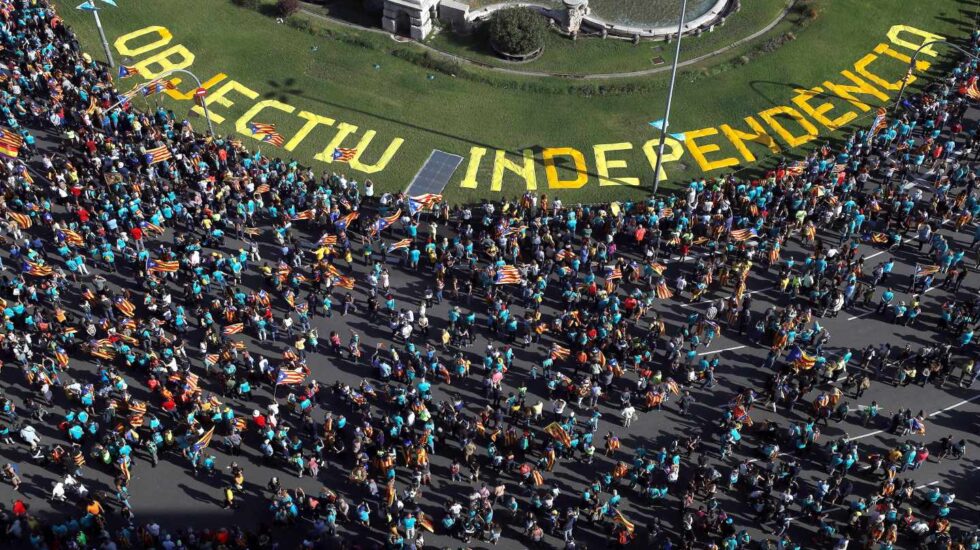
(287, 7)
(443, 65)
(250, 4)
(517, 31)
(301, 23)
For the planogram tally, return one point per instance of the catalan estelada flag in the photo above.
(327, 240)
(74, 238)
(152, 228)
(556, 431)
(205, 440)
(125, 307)
(971, 91)
(879, 238)
(743, 234)
(805, 362)
(162, 266)
(22, 220)
(383, 223)
(343, 222)
(345, 282)
(233, 329)
(663, 292)
(26, 174)
(158, 154)
(507, 275)
(290, 377)
(878, 124)
(343, 154)
(10, 142)
(796, 169)
(38, 270)
(274, 138)
(404, 243)
(126, 72)
(560, 352)
(261, 128)
(627, 524)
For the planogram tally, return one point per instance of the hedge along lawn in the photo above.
(602, 125)
(594, 55)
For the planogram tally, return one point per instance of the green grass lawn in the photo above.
(358, 79)
(589, 56)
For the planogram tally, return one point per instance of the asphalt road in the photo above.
(173, 497)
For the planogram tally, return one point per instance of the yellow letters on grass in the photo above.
(312, 120)
(182, 96)
(809, 130)
(164, 62)
(698, 151)
(473, 167)
(218, 97)
(163, 38)
(551, 171)
(603, 165)
(343, 130)
(819, 113)
(845, 91)
(861, 66)
(362, 146)
(525, 170)
(241, 125)
(757, 135)
(894, 35)
(673, 150)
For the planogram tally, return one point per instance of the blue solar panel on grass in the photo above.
(434, 174)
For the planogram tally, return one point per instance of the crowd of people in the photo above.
(136, 291)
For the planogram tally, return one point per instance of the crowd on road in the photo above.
(218, 247)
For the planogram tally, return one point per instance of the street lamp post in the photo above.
(89, 5)
(898, 99)
(203, 104)
(670, 98)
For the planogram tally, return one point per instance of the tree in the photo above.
(517, 31)
(287, 7)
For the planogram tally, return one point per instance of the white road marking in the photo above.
(930, 415)
(721, 350)
(865, 314)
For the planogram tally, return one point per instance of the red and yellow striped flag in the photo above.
(559, 352)
(507, 275)
(10, 142)
(74, 238)
(125, 307)
(22, 220)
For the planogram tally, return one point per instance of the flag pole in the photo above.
(670, 98)
(105, 42)
(98, 24)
